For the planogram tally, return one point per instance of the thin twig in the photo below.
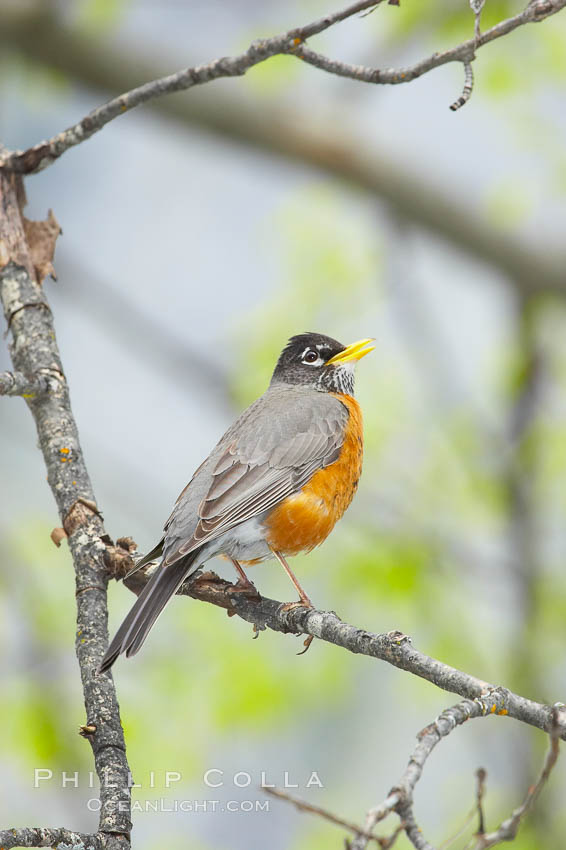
(507, 831)
(476, 7)
(464, 52)
(448, 842)
(467, 90)
(400, 798)
(481, 776)
(291, 42)
(303, 806)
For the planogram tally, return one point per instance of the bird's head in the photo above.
(318, 361)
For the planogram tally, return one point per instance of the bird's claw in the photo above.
(300, 603)
(248, 589)
(308, 640)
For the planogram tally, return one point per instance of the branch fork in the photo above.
(292, 43)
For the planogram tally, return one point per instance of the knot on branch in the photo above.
(79, 514)
(259, 49)
(118, 557)
(541, 9)
(495, 701)
(41, 383)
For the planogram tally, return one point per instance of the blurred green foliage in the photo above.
(38, 714)
(98, 16)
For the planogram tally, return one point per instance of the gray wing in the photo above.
(269, 453)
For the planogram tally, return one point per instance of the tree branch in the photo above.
(509, 828)
(15, 383)
(535, 11)
(287, 132)
(393, 647)
(468, 88)
(303, 806)
(35, 356)
(56, 838)
(400, 797)
(44, 154)
(292, 43)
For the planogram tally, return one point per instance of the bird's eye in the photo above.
(311, 356)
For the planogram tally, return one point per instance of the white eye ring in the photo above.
(318, 361)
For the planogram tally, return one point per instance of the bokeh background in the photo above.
(201, 232)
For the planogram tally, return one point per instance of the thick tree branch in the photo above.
(35, 354)
(291, 42)
(15, 383)
(56, 838)
(393, 647)
(292, 134)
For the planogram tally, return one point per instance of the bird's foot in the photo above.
(307, 642)
(256, 630)
(245, 587)
(304, 602)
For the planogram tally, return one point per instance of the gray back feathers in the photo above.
(270, 452)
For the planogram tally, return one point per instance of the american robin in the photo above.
(275, 484)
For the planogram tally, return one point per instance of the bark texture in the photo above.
(34, 354)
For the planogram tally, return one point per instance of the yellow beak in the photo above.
(354, 351)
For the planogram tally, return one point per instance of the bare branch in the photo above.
(283, 131)
(464, 52)
(393, 647)
(292, 43)
(400, 798)
(15, 383)
(467, 90)
(42, 155)
(303, 806)
(476, 7)
(35, 354)
(509, 828)
(481, 776)
(56, 838)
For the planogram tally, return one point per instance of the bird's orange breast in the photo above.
(306, 518)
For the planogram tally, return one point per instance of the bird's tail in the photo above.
(147, 608)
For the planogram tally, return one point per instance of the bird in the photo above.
(275, 484)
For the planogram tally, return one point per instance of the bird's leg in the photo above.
(304, 600)
(243, 585)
